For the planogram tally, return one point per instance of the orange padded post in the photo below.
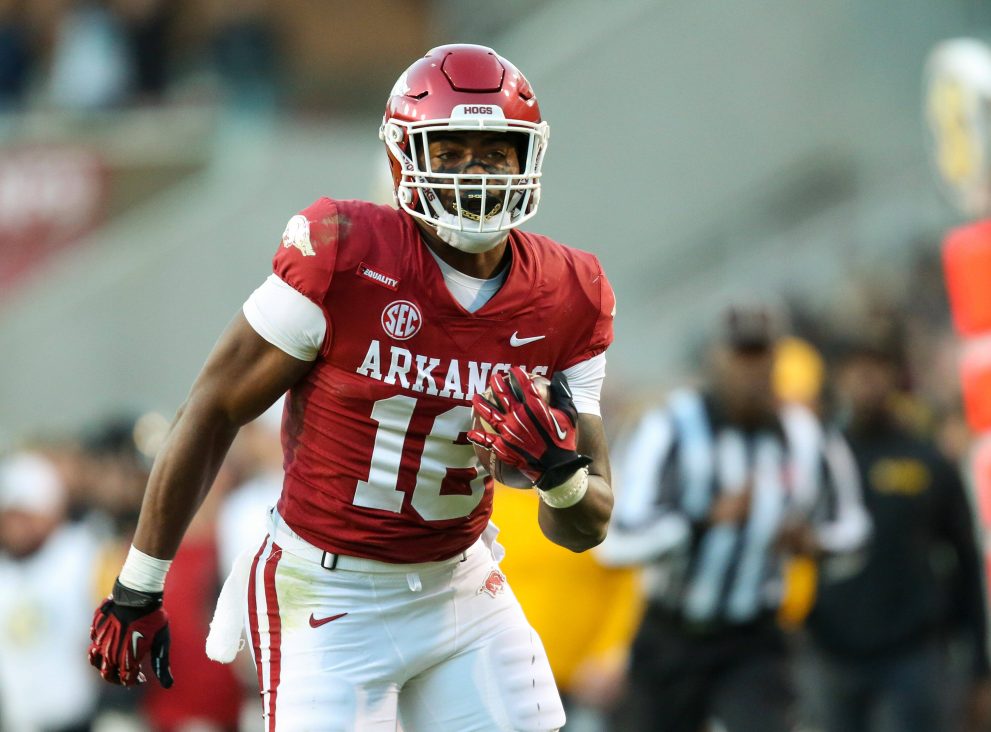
(975, 382)
(967, 263)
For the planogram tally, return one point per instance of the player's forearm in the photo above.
(183, 473)
(582, 526)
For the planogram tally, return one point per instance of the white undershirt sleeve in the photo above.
(585, 379)
(286, 318)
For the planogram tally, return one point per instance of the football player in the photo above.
(377, 595)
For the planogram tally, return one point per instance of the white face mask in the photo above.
(417, 189)
(472, 242)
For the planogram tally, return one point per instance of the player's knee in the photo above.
(523, 675)
(327, 704)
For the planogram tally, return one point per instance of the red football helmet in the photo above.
(464, 87)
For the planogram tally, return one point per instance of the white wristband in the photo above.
(144, 572)
(568, 493)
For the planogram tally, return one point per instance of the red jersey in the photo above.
(377, 463)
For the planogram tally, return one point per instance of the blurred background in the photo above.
(151, 152)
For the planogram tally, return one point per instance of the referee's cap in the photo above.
(751, 326)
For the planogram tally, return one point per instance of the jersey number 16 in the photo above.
(440, 458)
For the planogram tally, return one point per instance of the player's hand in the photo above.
(126, 627)
(538, 438)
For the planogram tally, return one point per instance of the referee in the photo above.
(719, 488)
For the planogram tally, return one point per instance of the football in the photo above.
(500, 471)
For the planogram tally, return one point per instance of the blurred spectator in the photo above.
(113, 468)
(880, 630)
(588, 648)
(91, 66)
(118, 470)
(47, 575)
(15, 54)
(244, 52)
(146, 25)
(718, 490)
(67, 455)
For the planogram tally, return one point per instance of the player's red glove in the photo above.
(538, 438)
(128, 625)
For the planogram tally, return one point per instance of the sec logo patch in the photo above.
(401, 319)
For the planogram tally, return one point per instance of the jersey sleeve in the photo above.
(307, 254)
(600, 332)
(286, 318)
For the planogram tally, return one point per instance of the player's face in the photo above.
(484, 153)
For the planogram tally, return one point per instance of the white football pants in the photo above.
(438, 646)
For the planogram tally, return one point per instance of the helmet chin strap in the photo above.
(472, 242)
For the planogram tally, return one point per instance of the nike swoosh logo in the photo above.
(135, 637)
(561, 434)
(314, 623)
(515, 340)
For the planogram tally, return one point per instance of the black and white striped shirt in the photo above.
(680, 459)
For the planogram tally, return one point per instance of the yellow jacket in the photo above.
(583, 612)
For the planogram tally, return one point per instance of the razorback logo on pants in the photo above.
(493, 584)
